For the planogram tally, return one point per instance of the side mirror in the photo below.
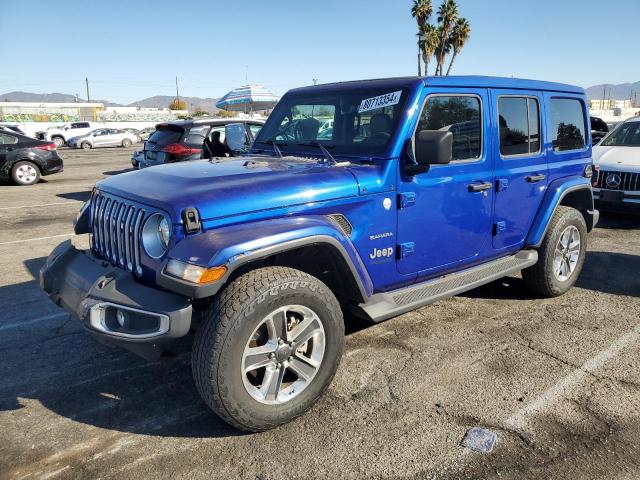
(434, 147)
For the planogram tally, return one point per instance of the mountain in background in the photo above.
(622, 91)
(48, 97)
(163, 101)
(159, 101)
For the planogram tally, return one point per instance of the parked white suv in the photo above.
(60, 135)
(617, 157)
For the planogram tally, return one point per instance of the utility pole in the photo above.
(177, 91)
(604, 95)
(86, 81)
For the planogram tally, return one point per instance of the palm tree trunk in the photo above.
(453, 57)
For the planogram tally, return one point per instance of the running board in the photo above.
(382, 306)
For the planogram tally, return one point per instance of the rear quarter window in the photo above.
(166, 135)
(568, 130)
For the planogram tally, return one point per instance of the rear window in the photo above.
(195, 135)
(567, 124)
(166, 134)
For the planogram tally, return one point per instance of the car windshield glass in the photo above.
(627, 135)
(354, 120)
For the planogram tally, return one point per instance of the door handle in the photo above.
(538, 177)
(479, 186)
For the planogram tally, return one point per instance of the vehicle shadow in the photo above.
(611, 272)
(116, 172)
(82, 196)
(618, 221)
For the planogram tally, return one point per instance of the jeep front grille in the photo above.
(628, 181)
(116, 226)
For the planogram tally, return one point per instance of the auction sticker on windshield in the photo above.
(380, 101)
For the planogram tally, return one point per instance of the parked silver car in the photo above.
(103, 137)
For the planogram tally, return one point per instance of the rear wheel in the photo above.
(126, 143)
(561, 255)
(85, 145)
(25, 173)
(267, 347)
(59, 141)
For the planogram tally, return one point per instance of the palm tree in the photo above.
(430, 39)
(459, 36)
(421, 11)
(447, 15)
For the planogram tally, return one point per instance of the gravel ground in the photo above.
(557, 380)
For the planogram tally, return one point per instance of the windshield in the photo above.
(356, 121)
(625, 135)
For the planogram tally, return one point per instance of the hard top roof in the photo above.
(451, 81)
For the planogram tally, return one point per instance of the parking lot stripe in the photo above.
(37, 238)
(40, 205)
(35, 320)
(562, 388)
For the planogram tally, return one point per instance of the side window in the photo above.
(460, 115)
(7, 139)
(567, 124)
(519, 124)
(255, 129)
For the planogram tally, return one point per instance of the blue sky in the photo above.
(133, 49)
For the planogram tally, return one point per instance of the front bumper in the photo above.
(95, 291)
(612, 199)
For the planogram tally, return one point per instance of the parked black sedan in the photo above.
(24, 159)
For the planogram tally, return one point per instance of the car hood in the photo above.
(617, 158)
(235, 186)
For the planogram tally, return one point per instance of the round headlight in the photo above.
(156, 234)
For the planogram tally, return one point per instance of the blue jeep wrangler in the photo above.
(376, 197)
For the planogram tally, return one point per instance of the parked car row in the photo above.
(83, 135)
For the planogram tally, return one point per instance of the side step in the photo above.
(382, 306)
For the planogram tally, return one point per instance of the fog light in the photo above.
(121, 317)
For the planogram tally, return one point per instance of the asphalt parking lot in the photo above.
(557, 380)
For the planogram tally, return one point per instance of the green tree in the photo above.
(421, 11)
(447, 16)
(459, 36)
(429, 41)
(178, 104)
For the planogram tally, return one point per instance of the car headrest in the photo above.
(308, 128)
(380, 123)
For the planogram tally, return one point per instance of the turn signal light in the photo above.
(194, 273)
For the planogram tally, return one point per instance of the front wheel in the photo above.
(561, 255)
(268, 346)
(85, 146)
(126, 143)
(59, 141)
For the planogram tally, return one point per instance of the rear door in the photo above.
(520, 163)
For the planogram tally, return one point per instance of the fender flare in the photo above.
(236, 245)
(555, 193)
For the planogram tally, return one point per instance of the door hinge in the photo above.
(406, 199)
(191, 220)
(502, 184)
(499, 227)
(407, 249)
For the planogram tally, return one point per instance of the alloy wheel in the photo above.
(283, 354)
(567, 253)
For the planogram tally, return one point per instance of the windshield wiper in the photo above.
(276, 149)
(327, 155)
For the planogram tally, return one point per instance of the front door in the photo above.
(445, 214)
(520, 163)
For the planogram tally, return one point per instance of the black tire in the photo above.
(59, 141)
(86, 146)
(25, 173)
(225, 328)
(541, 277)
(126, 143)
